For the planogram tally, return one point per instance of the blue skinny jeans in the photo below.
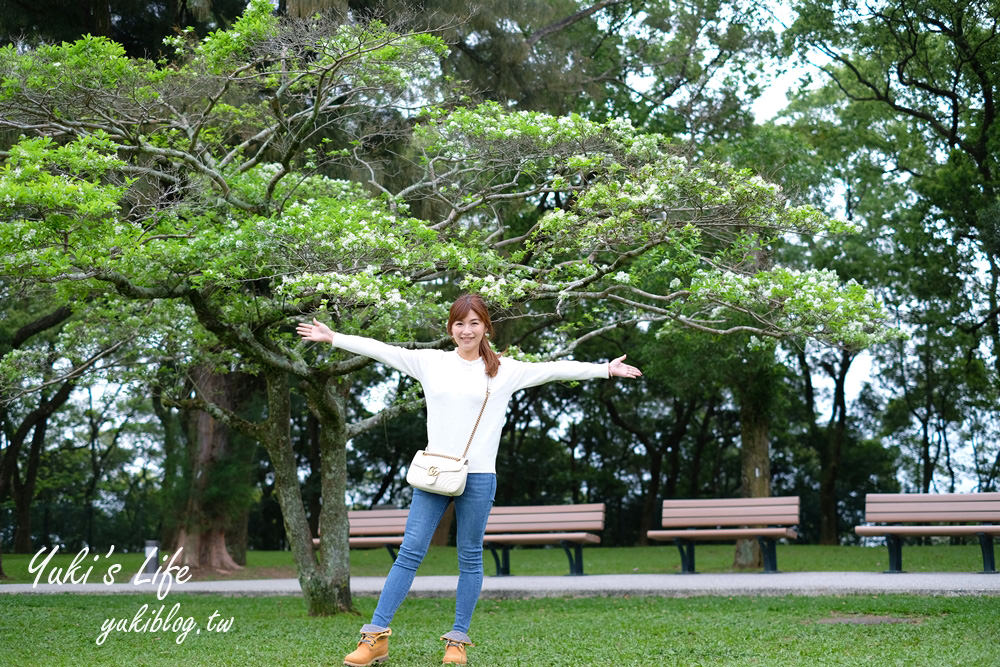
(472, 509)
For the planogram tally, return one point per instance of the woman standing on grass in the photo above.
(455, 385)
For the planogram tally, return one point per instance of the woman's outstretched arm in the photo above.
(402, 359)
(528, 374)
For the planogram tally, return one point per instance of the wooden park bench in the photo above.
(701, 520)
(376, 528)
(935, 514)
(543, 524)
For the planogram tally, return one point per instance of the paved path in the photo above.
(666, 585)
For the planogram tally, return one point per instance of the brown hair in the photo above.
(474, 303)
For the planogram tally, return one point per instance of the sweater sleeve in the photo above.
(532, 374)
(400, 358)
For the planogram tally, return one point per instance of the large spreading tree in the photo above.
(259, 183)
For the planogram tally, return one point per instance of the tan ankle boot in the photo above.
(373, 648)
(454, 652)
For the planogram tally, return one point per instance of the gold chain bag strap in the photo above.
(440, 473)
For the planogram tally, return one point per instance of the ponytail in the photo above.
(490, 358)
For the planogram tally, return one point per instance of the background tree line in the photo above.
(894, 133)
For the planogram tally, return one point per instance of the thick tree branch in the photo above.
(54, 318)
(562, 24)
(382, 416)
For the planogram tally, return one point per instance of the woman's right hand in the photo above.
(316, 331)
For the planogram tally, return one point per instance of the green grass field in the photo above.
(773, 631)
(597, 560)
(848, 630)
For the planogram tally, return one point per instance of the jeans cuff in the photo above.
(371, 627)
(458, 636)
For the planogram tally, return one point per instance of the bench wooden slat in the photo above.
(376, 530)
(790, 510)
(690, 512)
(541, 538)
(731, 502)
(377, 514)
(936, 505)
(722, 534)
(918, 498)
(543, 527)
(912, 516)
(589, 517)
(375, 522)
(755, 520)
(926, 531)
(378, 519)
(551, 516)
(547, 509)
(376, 541)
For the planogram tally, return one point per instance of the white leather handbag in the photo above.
(440, 473)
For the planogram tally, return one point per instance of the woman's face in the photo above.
(467, 332)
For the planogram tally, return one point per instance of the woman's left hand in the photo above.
(619, 369)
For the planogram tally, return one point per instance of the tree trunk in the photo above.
(174, 446)
(24, 491)
(443, 531)
(683, 413)
(22, 523)
(202, 534)
(306, 8)
(201, 10)
(314, 481)
(704, 432)
(326, 583)
(755, 466)
(96, 17)
(236, 533)
(832, 449)
(651, 499)
(335, 553)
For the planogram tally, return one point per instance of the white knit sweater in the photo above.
(454, 389)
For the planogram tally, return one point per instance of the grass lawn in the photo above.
(773, 631)
(596, 560)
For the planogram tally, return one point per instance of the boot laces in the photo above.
(370, 638)
(452, 642)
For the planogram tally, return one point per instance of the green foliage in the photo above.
(226, 49)
(902, 123)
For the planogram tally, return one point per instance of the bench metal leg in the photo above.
(575, 564)
(392, 551)
(686, 547)
(895, 544)
(986, 545)
(769, 553)
(502, 561)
